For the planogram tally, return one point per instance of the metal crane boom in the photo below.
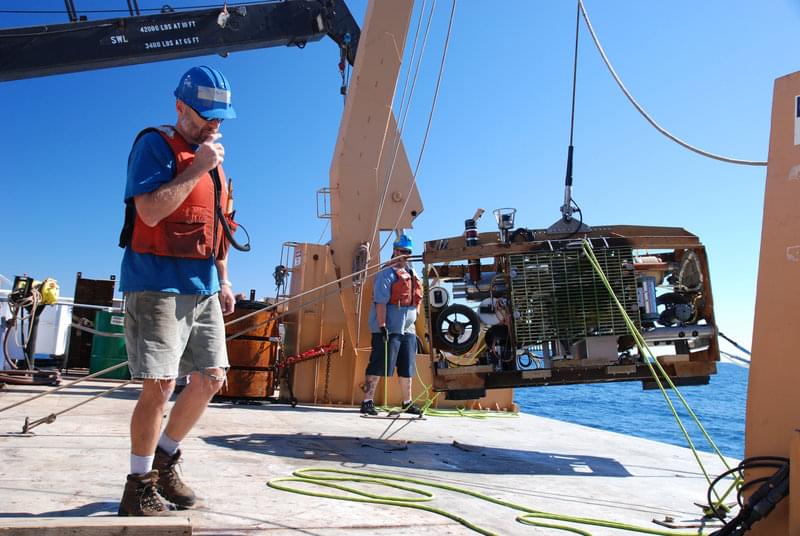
(86, 45)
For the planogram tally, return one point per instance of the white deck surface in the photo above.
(76, 467)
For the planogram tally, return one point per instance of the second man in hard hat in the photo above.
(397, 295)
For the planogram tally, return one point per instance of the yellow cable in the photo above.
(314, 476)
(649, 359)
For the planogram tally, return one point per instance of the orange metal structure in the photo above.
(773, 396)
(372, 189)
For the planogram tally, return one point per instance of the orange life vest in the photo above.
(406, 289)
(188, 232)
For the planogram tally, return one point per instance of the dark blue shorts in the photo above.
(402, 354)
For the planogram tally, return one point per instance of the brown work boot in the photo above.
(170, 485)
(140, 497)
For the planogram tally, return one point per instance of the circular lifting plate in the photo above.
(456, 329)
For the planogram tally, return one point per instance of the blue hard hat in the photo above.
(207, 91)
(403, 242)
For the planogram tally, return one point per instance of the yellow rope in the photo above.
(319, 477)
(649, 359)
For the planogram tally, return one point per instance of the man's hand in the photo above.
(209, 154)
(154, 206)
(227, 300)
(385, 333)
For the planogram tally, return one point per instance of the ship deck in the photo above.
(69, 474)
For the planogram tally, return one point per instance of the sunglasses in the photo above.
(198, 114)
(403, 251)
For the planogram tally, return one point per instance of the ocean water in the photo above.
(626, 408)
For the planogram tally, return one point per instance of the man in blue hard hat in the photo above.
(396, 298)
(174, 276)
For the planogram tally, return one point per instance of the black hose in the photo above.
(220, 215)
(6, 357)
(226, 228)
(580, 220)
(771, 491)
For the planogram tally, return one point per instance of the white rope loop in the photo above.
(647, 116)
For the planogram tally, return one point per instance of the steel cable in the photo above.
(430, 116)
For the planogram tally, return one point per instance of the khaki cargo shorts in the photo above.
(172, 335)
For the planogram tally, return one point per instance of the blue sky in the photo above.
(704, 70)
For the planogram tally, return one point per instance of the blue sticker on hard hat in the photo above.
(213, 94)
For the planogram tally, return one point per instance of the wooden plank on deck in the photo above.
(96, 526)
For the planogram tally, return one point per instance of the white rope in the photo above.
(376, 267)
(111, 334)
(403, 114)
(430, 118)
(646, 115)
(405, 106)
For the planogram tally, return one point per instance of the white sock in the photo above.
(141, 464)
(167, 444)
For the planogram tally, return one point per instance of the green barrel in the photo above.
(108, 351)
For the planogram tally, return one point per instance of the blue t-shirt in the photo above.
(151, 164)
(399, 319)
